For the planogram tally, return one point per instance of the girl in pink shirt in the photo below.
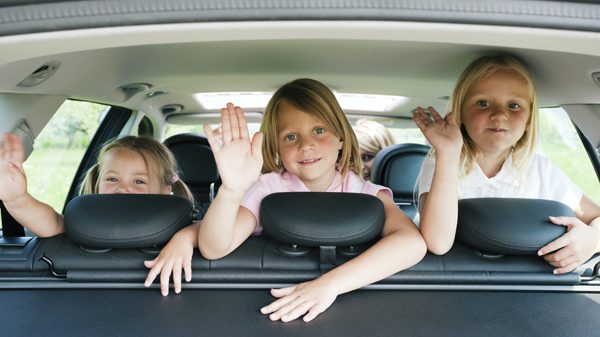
(308, 145)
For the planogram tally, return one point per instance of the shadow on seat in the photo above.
(398, 167)
(198, 167)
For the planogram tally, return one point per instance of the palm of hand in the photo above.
(444, 136)
(237, 165)
(12, 178)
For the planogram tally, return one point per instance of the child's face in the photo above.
(307, 148)
(495, 112)
(124, 171)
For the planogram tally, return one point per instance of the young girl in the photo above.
(485, 147)
(372, 137)
(309, 146)
(126, 165)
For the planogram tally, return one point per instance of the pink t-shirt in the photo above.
(275, 182)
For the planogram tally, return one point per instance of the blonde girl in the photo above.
(485, 147)
(308, 146)
(126, 165)
(372, 137)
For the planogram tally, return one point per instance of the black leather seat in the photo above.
(398, 167)
(198, 167)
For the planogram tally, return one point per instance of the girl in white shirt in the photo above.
(485, 147)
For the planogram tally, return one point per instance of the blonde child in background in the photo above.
(308, 146)
(127, 165)
(485, 147)
(372, 137)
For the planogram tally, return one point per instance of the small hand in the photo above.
(13, 182)
(573, 248)
(239, 160)
(174, 257)
(442, 133)
(308, 299)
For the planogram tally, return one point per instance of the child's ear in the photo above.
(341, 144)
(168, 190)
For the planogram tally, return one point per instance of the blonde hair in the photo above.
(479, 69)
(314, 98)
(372, 136)
(157, 157)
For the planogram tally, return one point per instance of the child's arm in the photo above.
(439, 207)
(174, 257)
(581, 240)
(400, 247)
(38, 217)
(226, 225)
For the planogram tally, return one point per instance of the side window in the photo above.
(560, 142)
(58, 150)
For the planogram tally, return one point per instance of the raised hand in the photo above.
(442, 133)
(13, 183)
(239, 160)
(307, 299)
(573, 248)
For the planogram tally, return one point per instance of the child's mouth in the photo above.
(309, 161)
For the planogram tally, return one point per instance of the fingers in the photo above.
(257, 140)
(434, 114)
(12, 149)
(154, 271)
(283, 300)
(212, 139)
(233, 119)
(421, 119)
(555, 245)
(176, 277)
(165, 275)
(243, 126)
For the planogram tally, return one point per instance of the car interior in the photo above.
(164, 75)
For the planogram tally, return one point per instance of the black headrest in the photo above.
(398, 166)
(322, 218)
(509, 225)
(125, 220)
(194, 157)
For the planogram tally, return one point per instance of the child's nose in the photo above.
(123, 188)
(499, 114)
(306, 144)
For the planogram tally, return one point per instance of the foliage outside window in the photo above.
(58, 150)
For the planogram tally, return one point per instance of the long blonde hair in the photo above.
(157, 157)
(314, 98)
(481, 68)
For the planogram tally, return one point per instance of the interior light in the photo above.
(218, 100)
(358, 102)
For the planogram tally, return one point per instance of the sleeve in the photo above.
(426, 174)
(560, 186)
(373, 189)
(252, 199)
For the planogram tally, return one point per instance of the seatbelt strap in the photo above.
(10, 226)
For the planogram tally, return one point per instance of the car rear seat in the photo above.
(198, 167)
(398, 167)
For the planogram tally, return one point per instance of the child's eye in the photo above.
(366, 157)
(514, 106)
(483, 103)
(111, 179)
(139, 182)
(291, 137)
(319, 131)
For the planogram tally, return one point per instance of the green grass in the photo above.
(50, 174)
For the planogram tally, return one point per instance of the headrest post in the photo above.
(327, 256)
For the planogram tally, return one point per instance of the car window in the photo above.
(561, 143)
(58, 150)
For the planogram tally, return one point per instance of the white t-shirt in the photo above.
(541, 180)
